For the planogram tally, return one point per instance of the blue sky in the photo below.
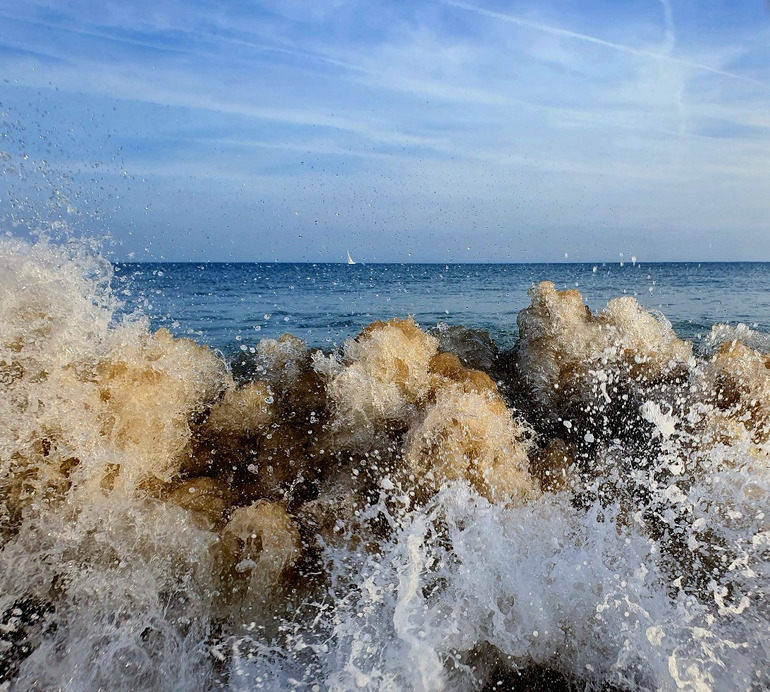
(403, 131)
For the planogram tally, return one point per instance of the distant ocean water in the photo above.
(415, 509)
(226, 304)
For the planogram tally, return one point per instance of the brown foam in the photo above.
(470, 435)
(259, 545)
(572, 364)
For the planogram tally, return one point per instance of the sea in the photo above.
(232, 304)
(382, 476)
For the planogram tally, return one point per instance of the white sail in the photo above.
(350, 259)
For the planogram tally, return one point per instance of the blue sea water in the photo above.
(227, 305)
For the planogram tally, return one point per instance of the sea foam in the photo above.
(588, 511)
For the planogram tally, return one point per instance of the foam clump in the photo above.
(280, 361)
(381, 381)
(242, 411)
(116, 420)
(392, 381)
(627, 417)
(567, 351)
(600, 377)
(258, 545)
(90, 406)
(735, 381)
(589, 372)
(467, 433)
(446, 368)
(723, 333)
(151, 388)
(287, 365)
(472, 436)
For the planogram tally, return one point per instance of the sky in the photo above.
(427, 130)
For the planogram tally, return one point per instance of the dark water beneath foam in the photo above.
(223, 304)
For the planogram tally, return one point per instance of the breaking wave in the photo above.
(415, 510)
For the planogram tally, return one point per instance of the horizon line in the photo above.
(620, 263)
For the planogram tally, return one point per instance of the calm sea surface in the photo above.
(227, 305)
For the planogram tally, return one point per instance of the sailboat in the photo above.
(350, 259)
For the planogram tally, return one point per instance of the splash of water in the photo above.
(589, 511)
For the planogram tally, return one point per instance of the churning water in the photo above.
(505, 491)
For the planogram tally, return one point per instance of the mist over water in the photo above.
(575, 498)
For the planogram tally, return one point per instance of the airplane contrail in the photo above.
(566, 33)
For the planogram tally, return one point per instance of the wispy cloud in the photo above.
(437, 115)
